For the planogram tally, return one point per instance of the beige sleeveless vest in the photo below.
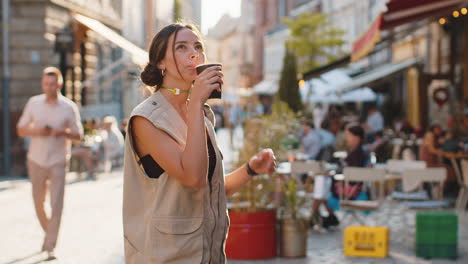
(165, 221)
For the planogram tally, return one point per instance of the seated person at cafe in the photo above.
(90, 149)
(310, 141)
(327, 141)
(374, 122)
(431, 152)
(451, 142)
(112, 141)
(356, 157)
(380, 147)
(464, 129)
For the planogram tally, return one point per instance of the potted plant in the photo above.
(252, 211)
(293, 234)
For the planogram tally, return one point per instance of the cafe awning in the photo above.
(341, 62)
(399, 12)
(267, 87)
(378, 73)
(323, 89)
(139, 56)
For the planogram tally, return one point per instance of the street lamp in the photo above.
(63, 45)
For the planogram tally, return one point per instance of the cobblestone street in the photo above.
(91, 230)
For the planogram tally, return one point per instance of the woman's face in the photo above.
(352, 141)
(437, 131)
(188, 53)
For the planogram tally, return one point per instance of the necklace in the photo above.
(176, 91)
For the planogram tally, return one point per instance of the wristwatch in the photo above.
(250, 171)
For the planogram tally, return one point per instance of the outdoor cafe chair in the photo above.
(398, 166)
(395, 170)
(464, 166)
(308, 167)
(413, 179)
(370, 177)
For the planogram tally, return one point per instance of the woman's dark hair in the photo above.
(356, 130)
(152, 75)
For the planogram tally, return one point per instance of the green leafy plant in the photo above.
(313, 39)
(177, 11)
(264, 132)
(293, 200)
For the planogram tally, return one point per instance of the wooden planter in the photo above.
(252, 235)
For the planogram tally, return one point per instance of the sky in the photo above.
(213, 10)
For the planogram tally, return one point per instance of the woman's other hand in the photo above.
(264, 162)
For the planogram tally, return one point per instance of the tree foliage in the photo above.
(177, 11)
(289, 85)
(313, 39)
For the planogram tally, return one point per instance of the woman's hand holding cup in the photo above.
(208, 82)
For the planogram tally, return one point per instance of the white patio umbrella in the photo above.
(359, 95)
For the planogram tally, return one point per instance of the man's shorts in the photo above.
(322, 186)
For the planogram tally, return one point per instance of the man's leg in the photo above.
(38, 177)
(319, 194)
(57, 189)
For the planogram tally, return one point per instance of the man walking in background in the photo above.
(51, 121)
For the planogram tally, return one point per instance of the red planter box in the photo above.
(252, 235)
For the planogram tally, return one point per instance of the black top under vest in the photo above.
(153, 170)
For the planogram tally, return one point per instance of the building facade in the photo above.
(45, 33)
(230, 42)
(142, 19)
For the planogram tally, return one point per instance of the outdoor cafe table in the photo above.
(284, 169)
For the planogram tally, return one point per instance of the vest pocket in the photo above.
(178, 240)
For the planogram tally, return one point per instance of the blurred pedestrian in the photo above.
(113, 142)
(52, 121)
(174, 201)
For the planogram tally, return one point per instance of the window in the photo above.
(281, 8)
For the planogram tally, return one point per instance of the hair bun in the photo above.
(151, 75)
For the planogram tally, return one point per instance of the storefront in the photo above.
(45, 33)
(426, 41)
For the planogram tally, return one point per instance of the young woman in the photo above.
(174, 207)
(430, 151)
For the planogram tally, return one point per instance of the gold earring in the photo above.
(163, 72)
